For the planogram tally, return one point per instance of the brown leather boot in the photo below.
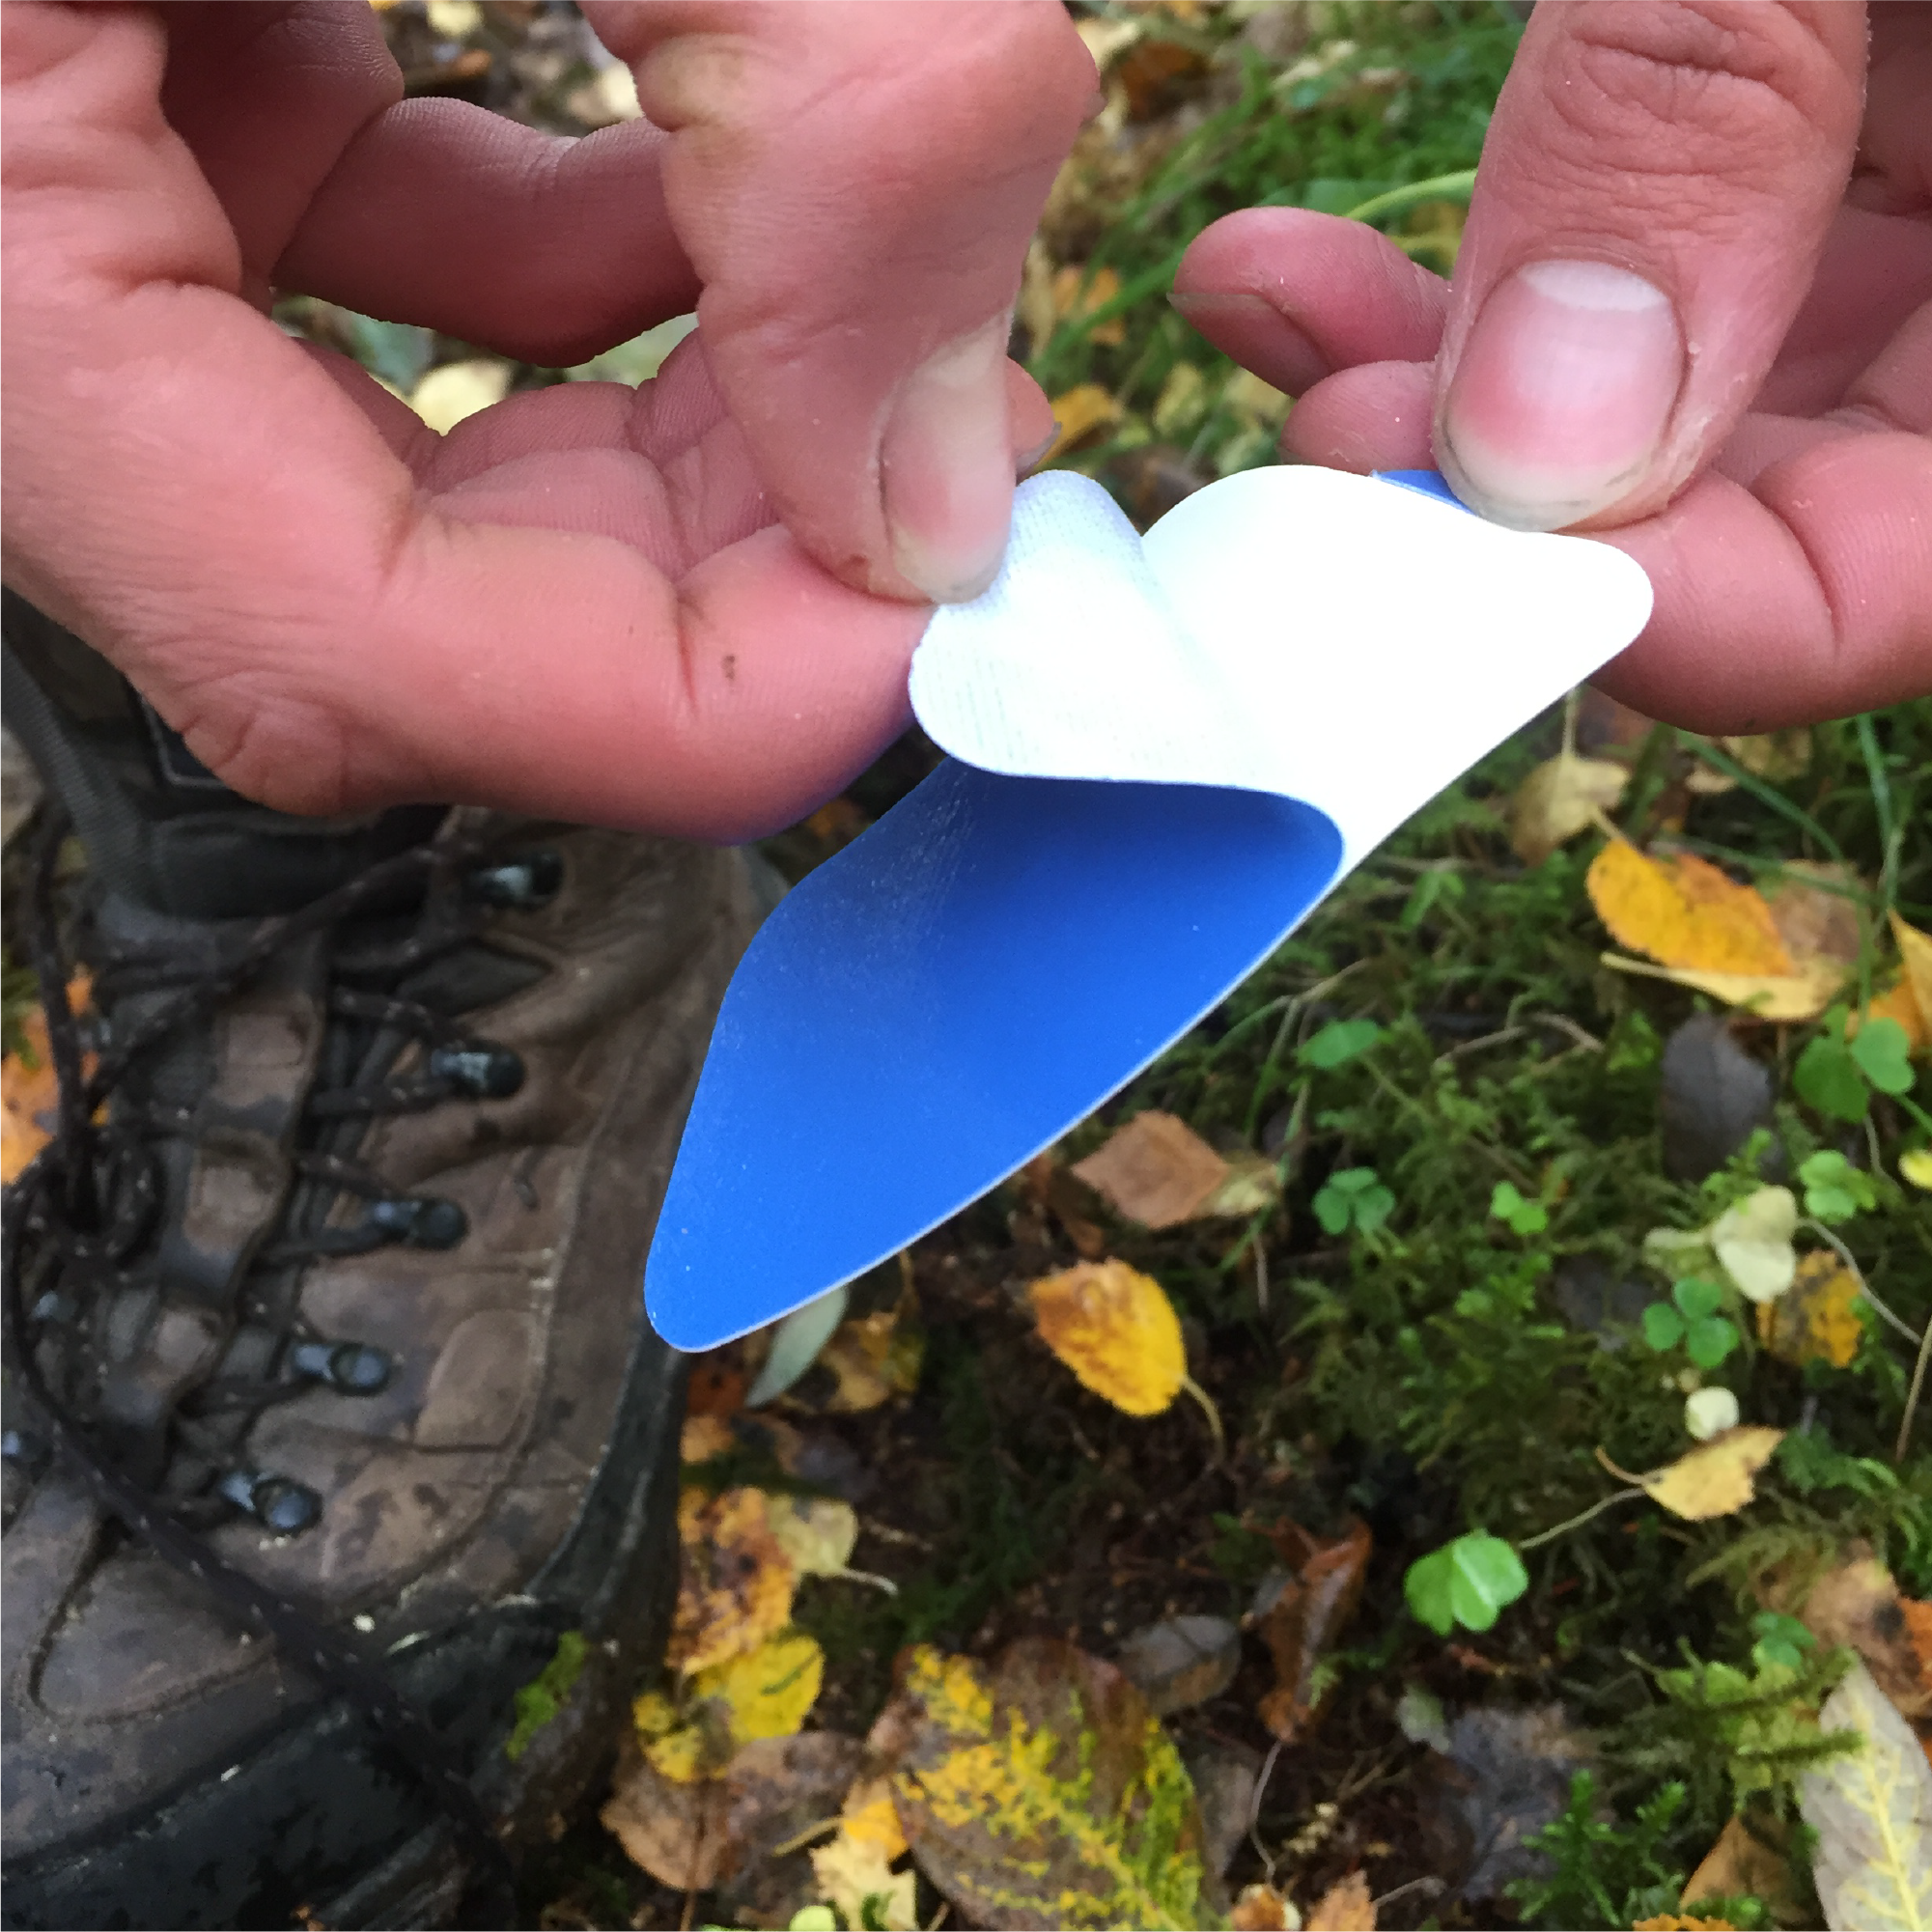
(327, 1353)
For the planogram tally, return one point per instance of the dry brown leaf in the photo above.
(1744, 1864)
(1816, 1318)
(1561, 798)
(693, 1836)
(1116, 1329)
(1856, 1603)
(1077, 294)
(1079, 412)
(1814, 920)
(736, 1582)
(875, 1358)
(1345, 1907)
(1715, 1478)
(1068, 1200)
(1304, 1620)
(1260, 1908)
(1677, 1922)
(1156, 1170)
(1683, 911)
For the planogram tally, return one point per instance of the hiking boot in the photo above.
(328, 1374)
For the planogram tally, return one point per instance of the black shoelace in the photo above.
(90, 1196)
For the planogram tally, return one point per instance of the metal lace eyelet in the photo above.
(420, 1221)
(349, 1368)
(478, 1069)
(520, 884)
(281, 1505)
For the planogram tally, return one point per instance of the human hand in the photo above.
(688, 608)
(1692, 315)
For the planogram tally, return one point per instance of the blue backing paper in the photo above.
(943, 999)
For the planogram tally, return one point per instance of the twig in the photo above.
(1912, 1397)
(871, 1577)
(799, 1841)
(1544, 1536)
(1209, 1409)
(1261, 1275)
(1857, 1273)
(1428, 1882)
(1259, 1792)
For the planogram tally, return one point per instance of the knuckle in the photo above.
(1731, 91)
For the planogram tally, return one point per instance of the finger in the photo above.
(195, 496)
(541, 248)
(1374, 417)
(1654, 194)
(857, 185)
(1294, 296)
(1806, 597)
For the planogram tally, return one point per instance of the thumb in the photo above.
(1654, 192)
(856, 185)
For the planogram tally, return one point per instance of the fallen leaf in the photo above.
(1079, 412)
(1054, 1188)
(1260, 1908)
(1561, 798)
(1248, 396)
(1815, 908)
(1041, 1792)
(1711, 1097)
(447, 396)
(1156, 1170)
(30, 1095)
(1504, 1776)
(1710, 1412)
(1915, 951)
(1181, 1661)
(736, 1582)
(693, 1837)
(817, 1532)
(1223, 1774)
(1816, 1319)
(1916, 1165)
(794, 1343)
(1345, 1907)
(1856, 1602)
(1779, 996)
(1116, 1329)
(1155, 76)
(1677, 1922)
(1076, 295)
(855, 1876)
(1683, 911)
(1304, 1620)
(1742, 1864)
(1752, 1243)
(1872, 1811)
(1715, 1477)
(870, 1816)
(764, 1692)
(875, 1358)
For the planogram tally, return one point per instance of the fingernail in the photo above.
(946, 467)
(1560, 401)
(1255, 331)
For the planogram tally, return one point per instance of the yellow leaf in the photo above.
(704, 1439)
(1116, 1329)
(1156, 1170)
(1683, 912)
(30, 1095)
(1561, 798)
(1675, 1921)
(1781, 996)
(854, 1875)
(446, 395)
(1345, 1907)
(736, 1582)
(875, 1358)
(1715, 1478)
(1752, 1243)
(1916, 1167)
(1915, 948)
(1248, 396)
(1872, 1811)
(1744, 1861)
(817, 1532)
(1079, 412)
(1817, 1320)
(1077, 294)
(869, 1815)
(1260, 1908)
(1041, 1792)
(1896, 1003)
(764, 1692)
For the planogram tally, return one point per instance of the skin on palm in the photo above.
(1794, 572)
(612, 606)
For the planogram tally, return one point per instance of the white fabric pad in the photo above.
(1339, 639)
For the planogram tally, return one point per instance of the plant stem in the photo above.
(1544, 1536)
(1213, 1415)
